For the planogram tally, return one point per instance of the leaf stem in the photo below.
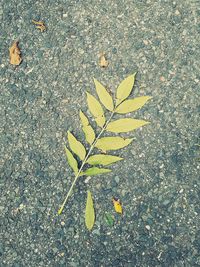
(83, 163)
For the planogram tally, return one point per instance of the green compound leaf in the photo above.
(104, 96)
(131, 105)
(87, 129)
(122, 106)
(94, 171)
(76, 146)
(125, 125)
(125, 88)
(102, 159)
(112, 143)
(96, 110)
(89, 212)
(71, 160)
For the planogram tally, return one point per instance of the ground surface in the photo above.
(157, 183)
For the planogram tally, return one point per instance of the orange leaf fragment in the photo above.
(103, 61)
(117, 205)
(15, 58)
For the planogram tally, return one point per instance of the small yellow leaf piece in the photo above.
(76, 146)
(89, 212)
(87, 129)
(125, 88)
(112, 143)
(15, 58)
(131, 105)
(39, 25)
(104, 96)
(125, 125)
(117, 205)
(71, 160)
(102, 159)
(103, 61)
(94, 171)
(96, 109)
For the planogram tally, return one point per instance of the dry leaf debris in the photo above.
(103, 62)
(39, 25)
(15, 58)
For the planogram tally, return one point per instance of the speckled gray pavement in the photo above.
(157, 183)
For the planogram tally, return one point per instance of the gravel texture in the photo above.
(157, 183)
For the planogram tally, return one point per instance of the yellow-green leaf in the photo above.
(76, 146)
(84, 119)
(95, 171)
(125, 88)
(125, 125)
(96, 109)
(89, 212)
(89, 134)
(131, 105)
(100, 121)
(104, 96)
(71, 160)
(87, 129)
(102, 159)
(112, 143)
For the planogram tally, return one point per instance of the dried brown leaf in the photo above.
(15, 58)
(103, 62)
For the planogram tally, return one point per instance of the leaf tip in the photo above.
(60, 211)
(147, 122)
(149, 97)
(69, 134)
(132, 76)
(130, 140)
